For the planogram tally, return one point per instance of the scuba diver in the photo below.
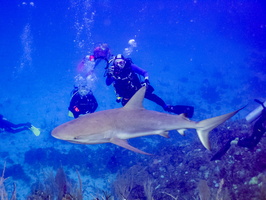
(8, 126)
(101, 52)
(82, 102)
(89, 62)
(87, 65)
(124, 75)
(250, 142)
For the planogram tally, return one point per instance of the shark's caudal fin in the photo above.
(205, 126)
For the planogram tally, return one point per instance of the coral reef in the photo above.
(180, 169)
(187, 173)
(57, 186)
(3, 192)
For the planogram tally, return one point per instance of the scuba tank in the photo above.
(256, 112)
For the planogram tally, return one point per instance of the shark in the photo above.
(118, 125)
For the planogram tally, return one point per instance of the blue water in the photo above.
(208, 54)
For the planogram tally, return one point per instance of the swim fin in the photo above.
(70, 114)
(35, 130)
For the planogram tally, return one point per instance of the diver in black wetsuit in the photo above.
(124, 75)
(13, 128)
(258, 130)
(82, 101)
(250, 142)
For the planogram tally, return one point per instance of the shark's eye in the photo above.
(75, 138)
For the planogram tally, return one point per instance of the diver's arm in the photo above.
(81, 64)
(110, 76)
(94, 104)
(109, 80)
(74, 105)
(140, 71)
(87, 61)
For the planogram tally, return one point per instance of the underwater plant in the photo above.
(103, 195)
(3, 193)
(57, 187)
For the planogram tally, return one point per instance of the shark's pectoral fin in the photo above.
(165, 134)
(124, 144)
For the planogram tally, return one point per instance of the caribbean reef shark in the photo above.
(131, 121)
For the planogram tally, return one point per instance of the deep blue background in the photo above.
(208, 54)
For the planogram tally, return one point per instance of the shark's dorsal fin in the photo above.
(137, 99)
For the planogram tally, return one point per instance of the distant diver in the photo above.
(8, 126)
(82, 102)
(89, 62)
(252, 141)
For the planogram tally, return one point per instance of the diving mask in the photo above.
(120, 63)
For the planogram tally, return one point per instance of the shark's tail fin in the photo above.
(205, 126)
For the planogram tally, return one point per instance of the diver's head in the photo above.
(101, 51)
(83, 90)
(119, 61)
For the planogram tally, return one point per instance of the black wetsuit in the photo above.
(258, 130)
(82, 104)
(250, 142)
(126, 83)
(13, 128)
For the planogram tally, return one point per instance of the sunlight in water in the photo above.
(128, 50)
(26, 42)
(83, 21)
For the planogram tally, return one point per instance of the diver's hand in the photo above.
(147, 82)
(110, 71)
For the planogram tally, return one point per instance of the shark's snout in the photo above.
(58, 134)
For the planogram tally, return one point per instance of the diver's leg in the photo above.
(222, 151)
(252, 141)
(187, 110)
(156, 99)
(246, 142)
(179, 109)
(16, 130)
(26, 125)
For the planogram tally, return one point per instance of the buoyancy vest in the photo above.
(126, 81)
